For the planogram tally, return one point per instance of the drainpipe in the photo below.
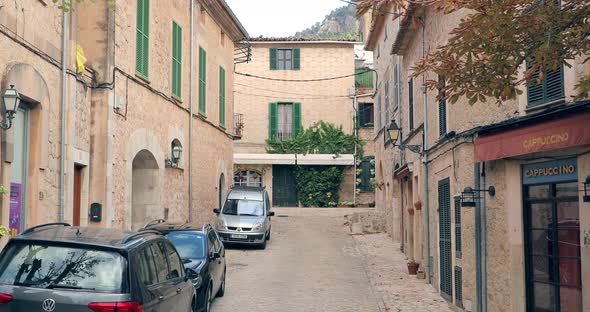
(478, 275)
(356, 135)
(64, 67)
(190, 120)
(484, 241)
(424, 190)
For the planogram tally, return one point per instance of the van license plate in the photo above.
(240, 236)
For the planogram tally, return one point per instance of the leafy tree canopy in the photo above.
(326, 138)
(484, 52)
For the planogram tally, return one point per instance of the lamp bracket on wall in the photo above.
(470, 195)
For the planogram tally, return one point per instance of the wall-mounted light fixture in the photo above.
(587, 190)
(176, 152)
(11, 101)
(394, 132)
(470, 195)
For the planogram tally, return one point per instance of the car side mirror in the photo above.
(216, 210)
(271, 213)
(215, 255)
(190, 274)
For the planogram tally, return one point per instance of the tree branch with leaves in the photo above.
(485, 52)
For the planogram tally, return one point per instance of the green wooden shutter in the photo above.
(273, 58)
(296, 119)
(176, 60)
(458, 243)
(221, 96)
(296, 59)
(273, 121)
(202, 81)
(551, 89)
(444, 219)
(142, 38)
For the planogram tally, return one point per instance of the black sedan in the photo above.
(203, 254)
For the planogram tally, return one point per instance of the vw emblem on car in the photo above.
(239, 229)
(48, 305)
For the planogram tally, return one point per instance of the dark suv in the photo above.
(56, 267)
(203, 255)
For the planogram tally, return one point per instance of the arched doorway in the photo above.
(145, 191)
(221, 188)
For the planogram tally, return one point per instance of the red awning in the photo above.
(547, 136)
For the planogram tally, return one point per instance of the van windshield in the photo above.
(47, 266)
(244, 207)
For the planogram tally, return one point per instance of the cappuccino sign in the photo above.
(550, 172)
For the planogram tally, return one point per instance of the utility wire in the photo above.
(304, 80)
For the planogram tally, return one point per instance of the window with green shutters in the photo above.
(176, 60)
(444, 226)
(221, 96)
(202, 81)
(142, 46)
(284, 120)
(285, 59)
(549, 90)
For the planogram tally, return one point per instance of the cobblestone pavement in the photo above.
(310, 264)
(386, 267)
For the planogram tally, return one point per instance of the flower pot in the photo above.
(418, 205)
(413, 268)
(410, 211)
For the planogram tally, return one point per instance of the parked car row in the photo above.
(170, 267)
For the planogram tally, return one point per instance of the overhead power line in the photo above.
(304, 80)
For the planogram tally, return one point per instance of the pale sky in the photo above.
(280, 18)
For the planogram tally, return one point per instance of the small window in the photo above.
(284, 59)
(549, 90)
(248, 178)
(442, 108)
(365, 115)
(411, 103)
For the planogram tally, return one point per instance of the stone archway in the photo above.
(145, 192)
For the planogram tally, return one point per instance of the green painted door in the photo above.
(283, 186)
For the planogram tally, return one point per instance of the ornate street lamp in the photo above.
(394, 132)
(11, 101)
(176, 153)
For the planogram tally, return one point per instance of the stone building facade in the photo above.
(126, 113)
(300, 105)
(481, 257)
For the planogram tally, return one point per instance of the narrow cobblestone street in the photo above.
(313, 264)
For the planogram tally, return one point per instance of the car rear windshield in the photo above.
(49, 266)
(189, 245)
(244, 207)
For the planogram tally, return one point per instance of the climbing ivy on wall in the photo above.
(318, 186)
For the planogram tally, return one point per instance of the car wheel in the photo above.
(209, 299)
(194, 307)
(221, 290)
(262, 245)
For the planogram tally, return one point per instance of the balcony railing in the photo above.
(363, 79)
(238, 124)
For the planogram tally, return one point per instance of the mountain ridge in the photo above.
(341, 23)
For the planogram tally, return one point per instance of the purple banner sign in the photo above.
(16, 199)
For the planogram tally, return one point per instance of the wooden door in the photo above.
(77, 195)
(283, 186)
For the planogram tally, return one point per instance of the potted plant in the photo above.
(410, 211)
(418, 205)
(413, 267)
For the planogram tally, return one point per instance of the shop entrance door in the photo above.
(552, 247)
